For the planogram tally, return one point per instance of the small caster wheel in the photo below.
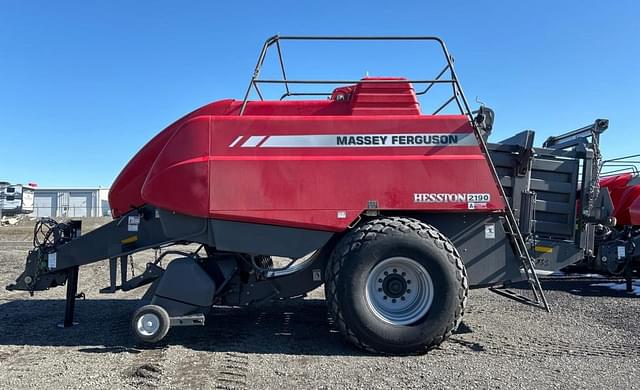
(150, 323)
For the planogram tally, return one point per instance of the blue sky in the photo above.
(83, 85)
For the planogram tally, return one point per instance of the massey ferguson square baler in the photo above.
(398, 212)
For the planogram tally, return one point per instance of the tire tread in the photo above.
(376, 229)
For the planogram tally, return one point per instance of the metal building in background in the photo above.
(71, 202)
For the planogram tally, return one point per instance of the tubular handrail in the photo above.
(457, 95)
(624, 164)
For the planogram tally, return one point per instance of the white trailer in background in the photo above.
(16, 199)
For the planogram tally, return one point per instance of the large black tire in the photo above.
(359, 253)
(155, 328)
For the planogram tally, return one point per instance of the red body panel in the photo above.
(282, 162)
(625, 196)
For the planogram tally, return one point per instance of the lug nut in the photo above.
(402, 298)
(408, 281)
(393, 300)
(395, 270)
(379, 280)
(386, 273)
(404, 274)
(408, 291)
(384, 297)
(379, 289)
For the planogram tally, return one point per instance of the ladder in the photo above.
(512, 230)
(510, 223)
(520, 247)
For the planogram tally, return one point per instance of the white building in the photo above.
(71, 202)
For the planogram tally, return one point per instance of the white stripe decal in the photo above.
(369, 140)
(236, 141)
(253, 141)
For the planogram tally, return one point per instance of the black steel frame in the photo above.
(585, 143)
(457, 94)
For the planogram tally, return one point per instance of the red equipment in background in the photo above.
(625, 194)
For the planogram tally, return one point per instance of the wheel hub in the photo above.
(399, 290)
(394, 285)
(148, 324)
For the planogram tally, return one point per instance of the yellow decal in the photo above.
(130, 240)
(543, 249)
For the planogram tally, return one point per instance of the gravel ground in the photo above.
(589, 341)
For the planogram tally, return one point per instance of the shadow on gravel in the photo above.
(586, 288)
(463, 329)
(295, 327)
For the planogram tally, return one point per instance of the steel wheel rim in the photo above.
(399, 291)
(148, 324)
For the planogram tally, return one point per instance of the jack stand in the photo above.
(113, 271)
(72, 291)
(124, 266)
(628, 276)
